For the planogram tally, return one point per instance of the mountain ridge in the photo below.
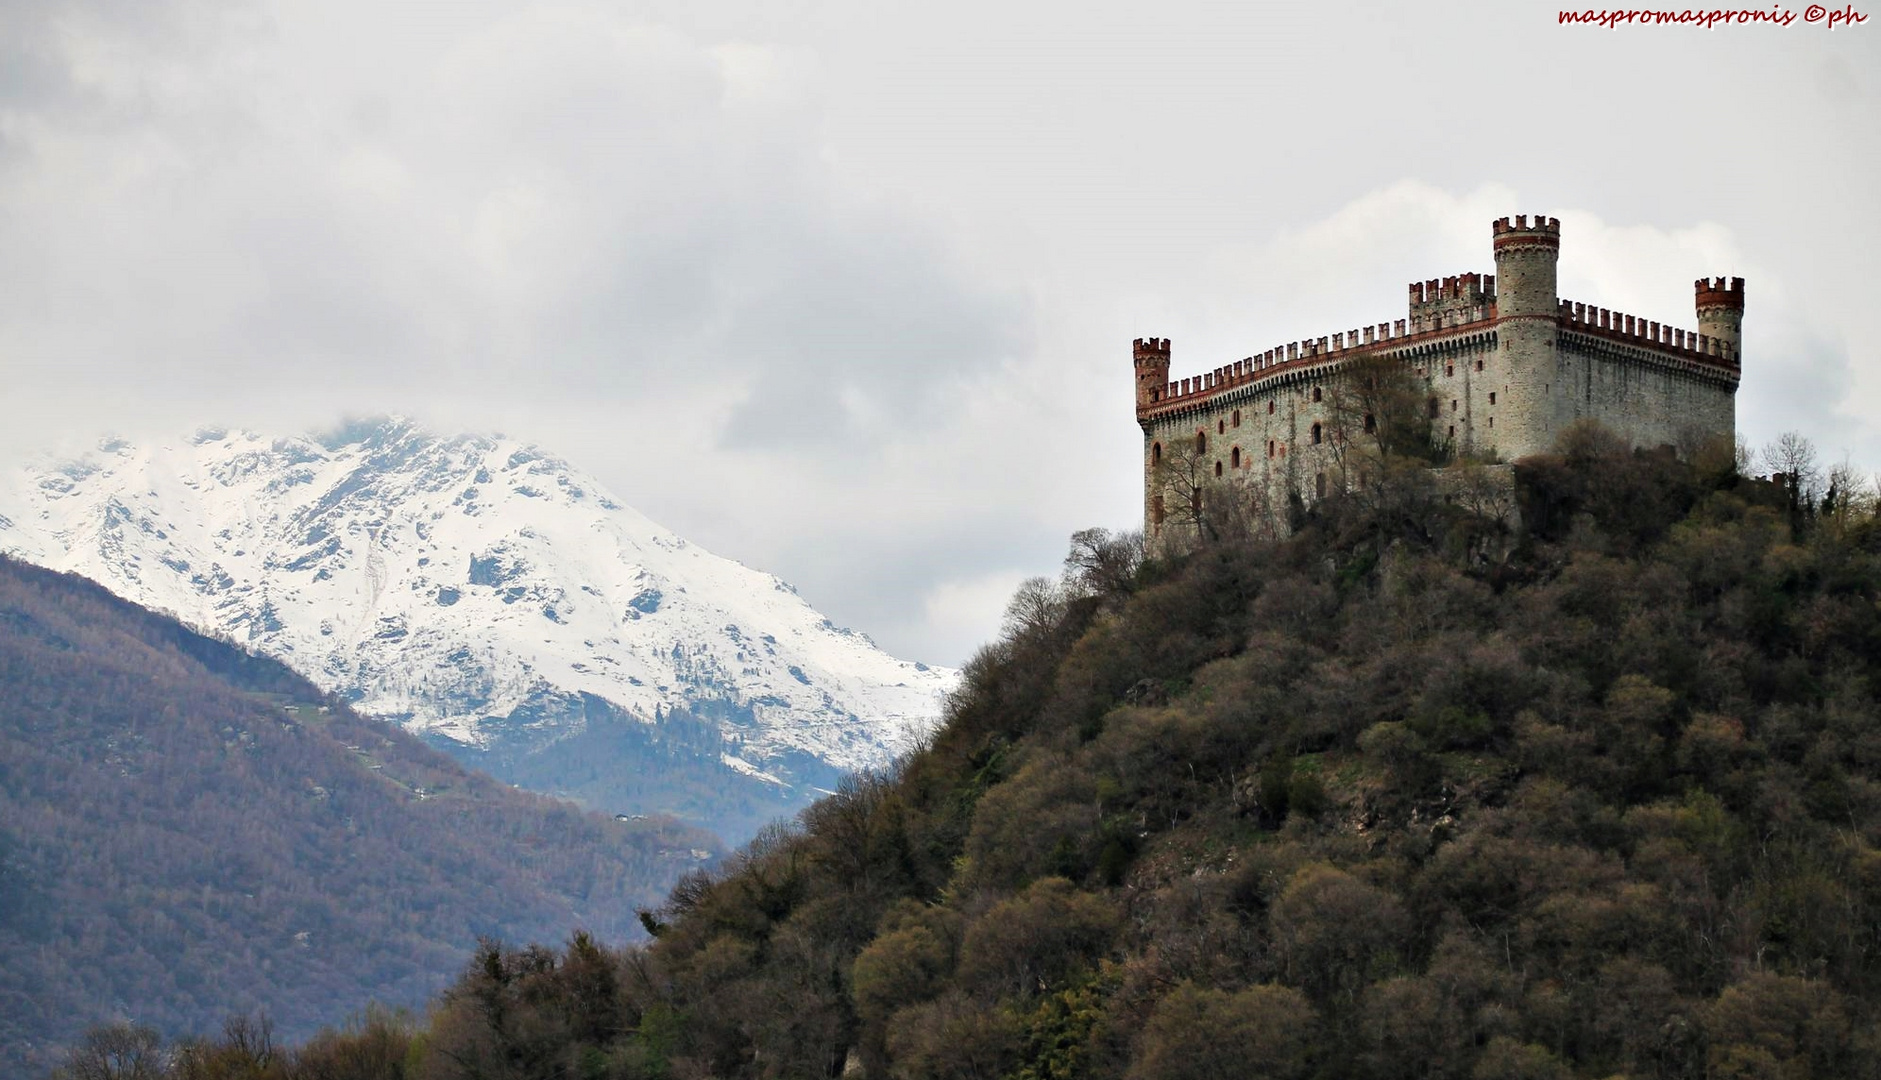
(488, 595)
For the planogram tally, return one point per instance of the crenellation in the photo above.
(1514, 361)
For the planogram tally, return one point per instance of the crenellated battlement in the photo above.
(1151, 348)
(1310, 353)
(1587, 318)
(1446, 302)
(1720, 293)
(1545, 231)
(1688, 345)
(1471, 288)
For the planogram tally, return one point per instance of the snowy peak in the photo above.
(472, 587)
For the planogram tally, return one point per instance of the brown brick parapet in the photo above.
(1300, 357)
(1684, 345)
(1676, 347)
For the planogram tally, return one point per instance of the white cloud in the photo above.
(970, 610)
(845, 290)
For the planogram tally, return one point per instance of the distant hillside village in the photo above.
(1503, 365)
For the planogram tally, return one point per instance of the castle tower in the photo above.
(1526, 331)
(1152, 367)
(1721, 313)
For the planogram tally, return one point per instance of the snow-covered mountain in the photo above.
(490, 596)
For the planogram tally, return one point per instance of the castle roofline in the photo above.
(1675, 346)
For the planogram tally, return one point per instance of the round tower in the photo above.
(1152, 368)
(1526, 312)
(1526, 255)
(1721, 312)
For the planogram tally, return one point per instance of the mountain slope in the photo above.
(187, 831)
(1409, 796)
(494, 599)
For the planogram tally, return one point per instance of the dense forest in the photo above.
(188, 831)
(1565, 769)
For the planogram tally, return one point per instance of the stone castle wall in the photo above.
(1505, 371)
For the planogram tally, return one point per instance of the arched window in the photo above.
(1156, 454)
(1270, 408)
(1449, 370)
(1316, 435)
(1315, 393)
(1479, 365)
(1436, 407)
(1201, 442)
(1237, 418)
(1221, 427)
(1217, 468)
(1270, 448)
(1156, 510)
(1234, 457)
(1371, 423)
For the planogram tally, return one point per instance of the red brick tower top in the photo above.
(1152, 368)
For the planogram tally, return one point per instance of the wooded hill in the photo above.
(188, 831)
(1415, 792)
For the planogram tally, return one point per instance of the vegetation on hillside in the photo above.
(1428, 789)
(189, 831)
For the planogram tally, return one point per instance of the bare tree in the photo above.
(1848, 501)
(1377, 402)
(1382, 441)
(1201, 501)
(120, 1051)
(1035, 609)
(1179, 480)
(1793, 457)
(1484, 490)
(1102, 563)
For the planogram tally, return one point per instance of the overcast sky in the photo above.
(845, 289)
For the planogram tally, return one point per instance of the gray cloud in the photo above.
(843, 289)
(561, 197)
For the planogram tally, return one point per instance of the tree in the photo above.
(372, 1046)
(1382, 441)
(1102, 563)
(1204, 1034)
(952, 1038)
(120, 1051)
(1037, 939)
(1378, 404)
(1201, 505)
(1335, 933)
(1794, 457)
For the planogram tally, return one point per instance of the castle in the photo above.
(1505, 362)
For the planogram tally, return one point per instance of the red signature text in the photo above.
(1708, 18)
